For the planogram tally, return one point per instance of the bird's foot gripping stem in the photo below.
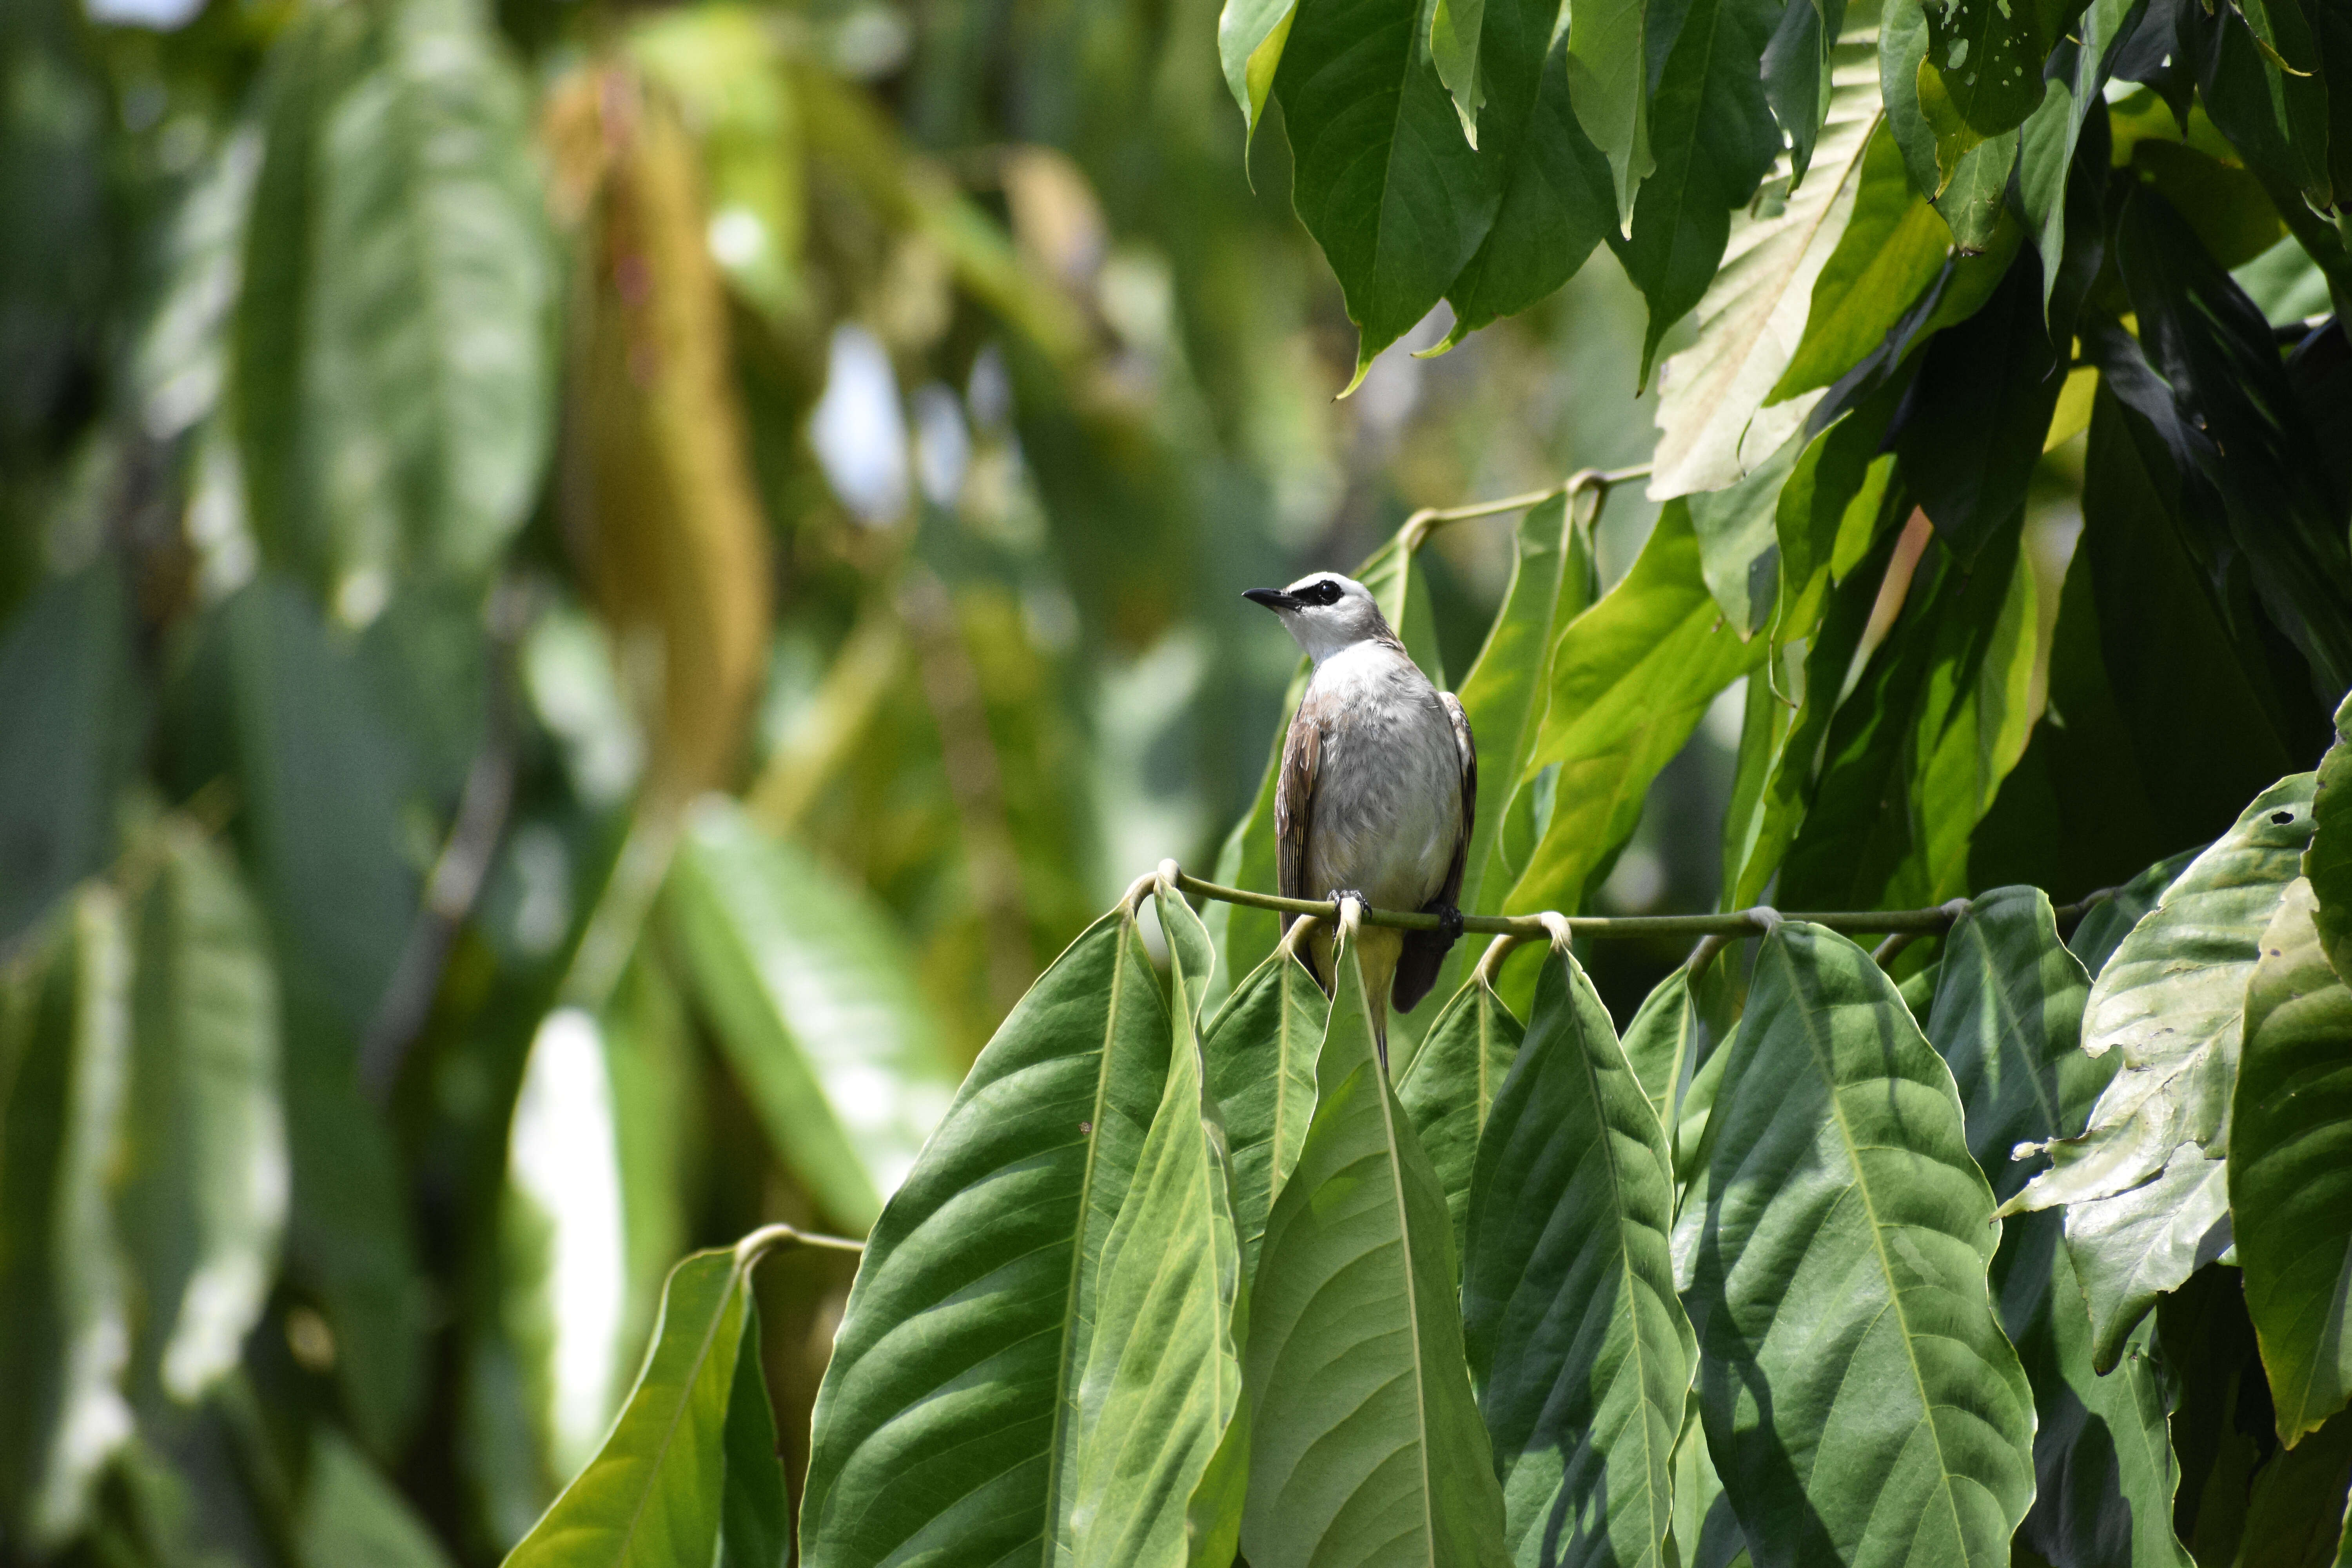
(1449, 922)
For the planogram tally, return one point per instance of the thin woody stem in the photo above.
(1428, 519)
(1757, 921)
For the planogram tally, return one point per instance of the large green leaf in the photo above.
(1556, 201)
(1712, 134)
(1365, 1443)
(1982, 73)
(2006, 1018)
(948, 1421)
(202, 1187)
(65, 684)
(1577, 1344)
(1686, 1019)
(2111, 919)
(1860, 1400)
(1260, 1054)
(1630, 681)
(1553, 580)
(1891, 247)
(1712, 427)
(1382, 176)
(2291, 1164)
(2144, 1182)
(2328, 861)
(428, 372)
(1964, 174)
(656, 1491)
(1163, 1376)
(65, 1031)
(1448, 1088)
(817, 1010)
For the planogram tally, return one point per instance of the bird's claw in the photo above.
(1340, 897)
(1449, 923)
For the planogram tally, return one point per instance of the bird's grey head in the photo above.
(1325, 612)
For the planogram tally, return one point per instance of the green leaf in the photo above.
(2290, 1157)
(1365, 1443)
(1448, 1086)
(1162, 1377)
(2006, 1018)
(1381, 177)
(1797, 71)
(1505, 695)
(202, 1188)
(1711, 429)
(1250, 38)
(1860, 1398)
(1737, 536)
(1557, 201)
(1577, 1344)
(2110, 920)
(2294, 1515)
(1974, 422)
(1684, 1020)
(755, 1516)
(427, 374)
(64, 1037)
(1260, 1054)
(1983, 71)
(1891, 247)
(656, 1491)
(814, 997)
(2143, 1184)
(1964, 178)
(1454, 35)
(1188, 944)
(2328, 861)
(1630, 681)
(991, 1253)
(352, 1513)
(1712, 133)
(66, 685)
(1608, 61)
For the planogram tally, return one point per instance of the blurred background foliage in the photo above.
(587, 594)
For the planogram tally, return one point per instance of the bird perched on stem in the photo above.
(1379, 782)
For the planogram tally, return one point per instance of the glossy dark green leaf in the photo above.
(1260, 1054)
(1975, 420)
(2328, 861)
(2290, 1163)
(2236, 435)
(1982, 73)
(1557, 197)
(1862, 1403)
(989, 1255)
(2143, 1184)
(65, 1026)
(1797, 70)
(1681, 1023)
(1448, 1088)
(1630, 681)
(1577, 1344)
(1382, 176)
(2006, 1018)
(2049, 136)
(2260, 72)
(1365, 1443)
(1964, 174)
(65, 685)
(1162, 1379)
(1714, 424)
(656, 1491)
(1712, 134)
(816, 1009)
(202, 1184)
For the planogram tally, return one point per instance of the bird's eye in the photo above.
(1326, 592)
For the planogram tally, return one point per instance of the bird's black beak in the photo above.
(1272, 598)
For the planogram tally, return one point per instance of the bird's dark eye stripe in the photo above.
(1326, 592)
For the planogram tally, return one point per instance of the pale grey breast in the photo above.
(1388, 790)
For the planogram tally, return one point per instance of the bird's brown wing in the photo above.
(1294, 802)
(1424, 950)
